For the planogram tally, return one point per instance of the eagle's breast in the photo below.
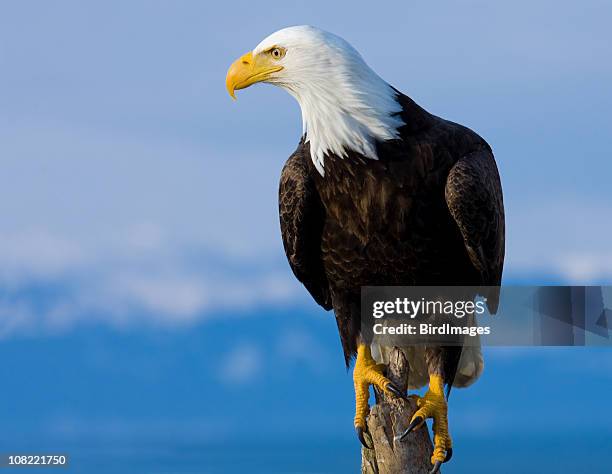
(387, 222)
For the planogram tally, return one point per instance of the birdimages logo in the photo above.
(496, 316)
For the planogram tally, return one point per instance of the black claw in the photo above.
(361, 437)
(396, 391)
(436, 467)
(416, 422)
(449, 454)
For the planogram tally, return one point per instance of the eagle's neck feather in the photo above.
(346, 107)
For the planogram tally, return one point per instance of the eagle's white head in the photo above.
(345, 104)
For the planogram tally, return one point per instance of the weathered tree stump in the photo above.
(389, 417)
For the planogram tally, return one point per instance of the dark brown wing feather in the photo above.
(302, 217)
(474, 197)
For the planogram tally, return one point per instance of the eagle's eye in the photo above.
(277, 53)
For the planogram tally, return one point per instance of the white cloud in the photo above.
(242, 364)
(586, 266)
(125, 299)
(34, 254)
(182, 297)
(568, 238)
(132, 277)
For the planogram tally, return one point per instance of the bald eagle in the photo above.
(379, 192)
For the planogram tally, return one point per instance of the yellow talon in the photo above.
(433, 405)
(367, 372)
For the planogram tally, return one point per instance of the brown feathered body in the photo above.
(429, 211)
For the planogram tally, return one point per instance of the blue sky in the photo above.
(139, 201)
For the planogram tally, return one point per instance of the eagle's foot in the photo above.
(433, 405)
(367, 372)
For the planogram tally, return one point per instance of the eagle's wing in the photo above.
(302, 217)
(474, 197)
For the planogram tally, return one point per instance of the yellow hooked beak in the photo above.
(247, 70)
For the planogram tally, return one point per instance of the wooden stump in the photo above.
(389, 417)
